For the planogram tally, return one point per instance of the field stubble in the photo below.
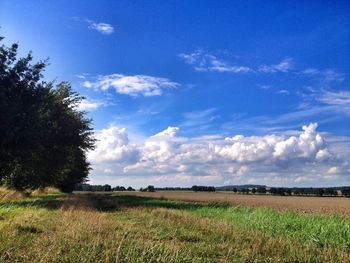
(303, 204)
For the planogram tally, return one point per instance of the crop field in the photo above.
(330, 205)
(119, 227)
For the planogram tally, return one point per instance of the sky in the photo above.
(201, 92)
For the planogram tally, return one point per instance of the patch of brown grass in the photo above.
(46, 190)
(7, 194)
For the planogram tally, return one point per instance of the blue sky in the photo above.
(188, 92)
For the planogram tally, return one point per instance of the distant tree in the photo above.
(277, 191)
(281, 191)
(320, 191)
(298, 191)
(288, 191)
(253, 190)
(346, 191)
(172, 189)
(197, 188)
(86, 187)
(119, 188)
(150, 188)
(234, 190)
(43, 137)
(107, 188)
(261, 190)
(330, 192)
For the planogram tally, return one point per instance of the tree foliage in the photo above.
(199, 188)
(43, 137)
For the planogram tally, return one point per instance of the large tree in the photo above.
(43, 136)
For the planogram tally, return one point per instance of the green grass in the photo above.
(320, 229)
(117, 228)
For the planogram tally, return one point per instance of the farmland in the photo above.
(330, 205)
(56, 227)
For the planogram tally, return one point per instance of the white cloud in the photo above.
(242, 170)
(302, 179)
(327, 75)
(87, 84)
(203, 61)
(264, 87)
(89, 105)
(333, 170)
(284, 66)
(113, 146)
(340, 98)
(103, 28)
(284, 92)
(308, 146)
(134, 85)
(169, 157)
(329, 103)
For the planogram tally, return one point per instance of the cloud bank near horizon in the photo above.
(167, 158)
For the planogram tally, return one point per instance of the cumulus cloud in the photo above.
(168, 155)
(309, 146)
(284, 66)
(203, 61)
(113, 146)
(134, 85)
(103, 28)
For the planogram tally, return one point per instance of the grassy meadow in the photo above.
(56, 227)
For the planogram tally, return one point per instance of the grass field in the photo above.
(128, 228)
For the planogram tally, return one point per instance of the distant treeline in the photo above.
(198, 188)
(262, 189)
(297, 191)
(195, 188)
(173, 189)
(149, 188)
(101, 188)
(239, 189)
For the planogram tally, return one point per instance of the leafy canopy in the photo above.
(43, 137)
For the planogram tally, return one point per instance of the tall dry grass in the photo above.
(95, 228)
(7, 194)
(46, 190)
